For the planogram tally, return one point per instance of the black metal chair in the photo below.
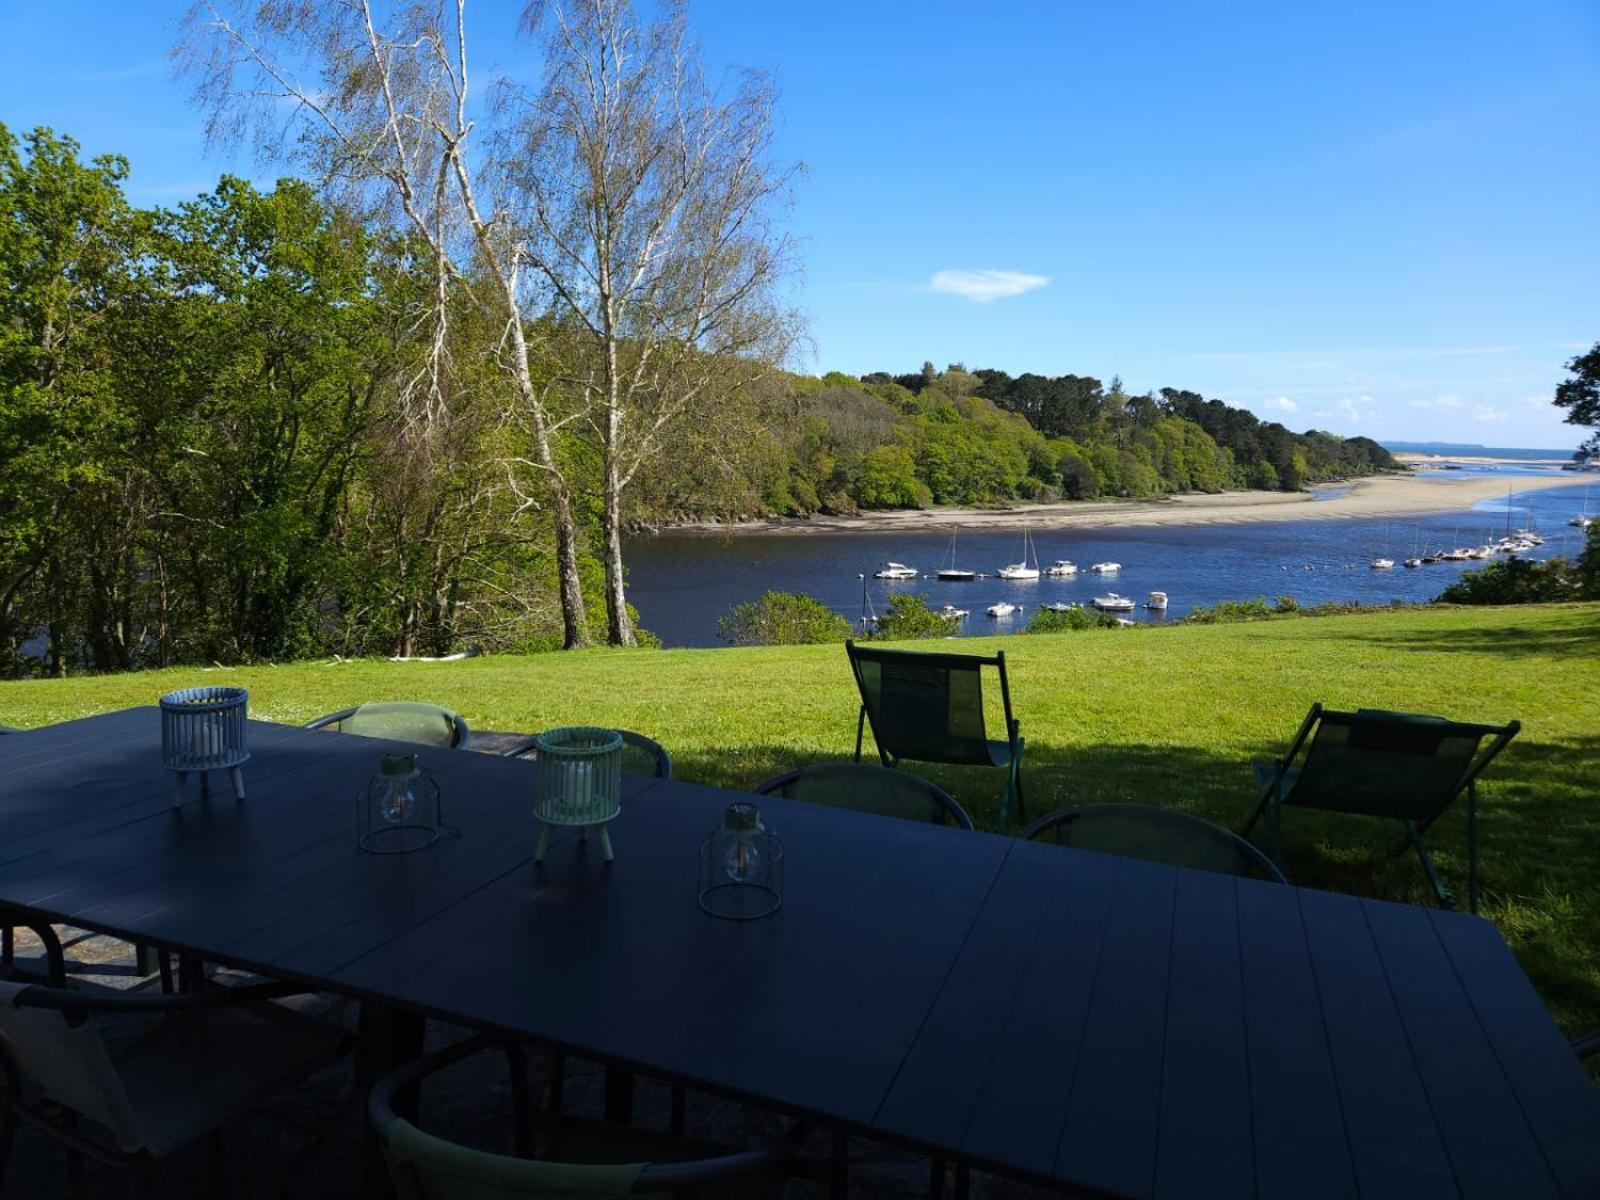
(400, 721)
(864, 788)
(1407, 767)
(929, 708)
(640, 755)
(146, 1092)
(1155, 835)
(577, 1157)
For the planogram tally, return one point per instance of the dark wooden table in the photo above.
(1118, 1026)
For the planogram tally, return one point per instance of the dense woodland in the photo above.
(840, 444)
(210, 450)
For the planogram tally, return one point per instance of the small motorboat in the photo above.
(1157, 602)
(1382, 564)
(1062, 606)
(1003, 609)
(1106, 568)
(1124, 623)
(950, 610)
(1111, 602)
(1413, 562)
(894, 570)
(1061, 567)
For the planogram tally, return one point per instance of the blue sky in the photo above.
(1367, 217)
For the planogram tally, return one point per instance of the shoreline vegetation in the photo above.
(1392, 495)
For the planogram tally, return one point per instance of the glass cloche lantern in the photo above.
(399, 808)
(741, 866)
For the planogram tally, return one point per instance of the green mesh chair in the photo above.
(1407, 767)
(929, 708)
(1155, 835)
(640, 755)
(864, 788)
(400, 721)
(616, 1161)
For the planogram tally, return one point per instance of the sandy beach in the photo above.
(1378, 497)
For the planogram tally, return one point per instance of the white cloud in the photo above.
(1281, 404)
(1487, 412)
(1541, 404)
(1445, 402)
(986, 285)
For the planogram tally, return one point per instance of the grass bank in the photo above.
(1166, 716)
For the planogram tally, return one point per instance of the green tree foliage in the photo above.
(783, 619)
(910, 617)
(1072, 620)
(1580, 396)
(1513, 581)
(205, 453)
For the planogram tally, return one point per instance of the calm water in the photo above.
(682, 584)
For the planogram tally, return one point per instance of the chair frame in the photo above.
(947, 803)
(78, 1005)
(1271, 799)
(657, 752)
(1014, 738)
(1246, 850)
(461, 739)
(515, 1172)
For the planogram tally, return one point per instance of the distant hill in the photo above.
(1474, 450)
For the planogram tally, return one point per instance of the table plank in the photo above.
(1561, 1105)
(1022, 1104)
(1394, 1136)
(1483, 1127)
(1296, 1116)
(1206, 1147)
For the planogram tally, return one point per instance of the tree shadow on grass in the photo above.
(1580, 640)
(1538, 838)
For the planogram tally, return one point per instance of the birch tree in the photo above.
(374, 99)
(646, 204)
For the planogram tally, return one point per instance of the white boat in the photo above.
(1583, 520)
(1124, 623)
(950, 610)
(894, 570)
(1023, 569)
(1382, 564)
(951, 573)
(1061, 567)
(1157, 602)
(1003, 609)
(1111, 602)
(1413, 562)
(1456, 555)
(1062, 606)
(1105, 568)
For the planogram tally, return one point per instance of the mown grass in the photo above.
(1168, 716)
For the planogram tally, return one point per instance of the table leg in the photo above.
(390, 1037)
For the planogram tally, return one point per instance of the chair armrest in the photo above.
(520, 747)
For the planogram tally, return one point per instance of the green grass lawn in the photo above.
(1168, 716)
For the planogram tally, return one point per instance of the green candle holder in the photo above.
(579, 782)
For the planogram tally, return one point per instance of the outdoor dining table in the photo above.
(1116, 1026)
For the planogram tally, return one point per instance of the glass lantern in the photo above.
(398, 811)
(578, 774)
(203, 729)
(741, 866)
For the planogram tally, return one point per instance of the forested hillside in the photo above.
(839, 444)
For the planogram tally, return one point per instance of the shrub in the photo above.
(1049, 620)
(909, 617)
(783, 619)
(1514, 581)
